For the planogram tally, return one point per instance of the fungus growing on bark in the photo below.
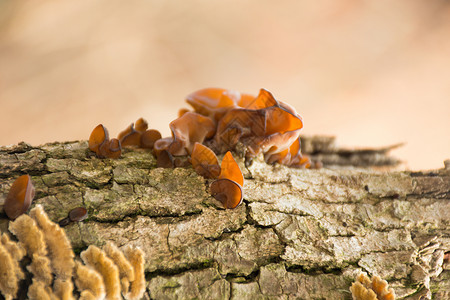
(182, 111)
(19, 197)
(261, 124)
(228, 188)
(130, 136)
(98, 136)
(77, 214)
(149, 137)
(95, 258)
(165, 160)
(141, 125)
(110, 149)
(375, 289)
(204, 161)
(227, 191)
(126, 271)
(138, 135)
(291, 157)
(213, 102)
(229, 169)
(8, 279)
(187, 130)
(100, 143)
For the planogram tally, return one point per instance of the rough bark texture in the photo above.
(300, 234)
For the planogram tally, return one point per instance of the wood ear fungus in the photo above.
(149, 137)
(130, 136)
(100, 143)
(19, 198)
(111, 149)
(204, 161)
(189, 129)
(138, 135)
(141, 125)
(98, 136)
(165, 160)
(227, 191)
(77, 214)
(229, 169)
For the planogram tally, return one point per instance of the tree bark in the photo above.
(299, 234)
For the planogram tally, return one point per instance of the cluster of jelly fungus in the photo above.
(261, 124)
(138, 135)
(100, 143)
(19, 197)
(77, 214)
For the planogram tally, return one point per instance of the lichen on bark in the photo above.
(298, 234)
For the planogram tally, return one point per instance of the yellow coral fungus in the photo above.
(29, 235)
(375, 289)
(97, 259)
(58, 245)
(126, 271)
(136, 257)
(8, 280)
(40, 268)
(89, 282)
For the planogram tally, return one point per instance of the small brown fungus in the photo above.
(204, 161)
(64, 222)
(141, 125)
(229, 169)
(78, 214)
(98, 136)
(130, 136)
(133, 135)
(161, 144)
(100, 143)
(182, 111)
(19, 197)
(227, 191)
(149, 137)
(165, 160)
(110, 149)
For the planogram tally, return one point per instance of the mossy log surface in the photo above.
(299, 234)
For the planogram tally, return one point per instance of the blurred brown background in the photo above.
(372, 72)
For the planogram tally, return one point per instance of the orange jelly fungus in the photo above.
(98, 136)
(222, 119)
(19, 197)
(138, 135)
(111, 149)
(141, 125)
(229, 169)
(227, 191)
(149, 137)
(189, 129)
(204, 161)
(130, 136)
(261, 124)
(165, 160)
(100, 143)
